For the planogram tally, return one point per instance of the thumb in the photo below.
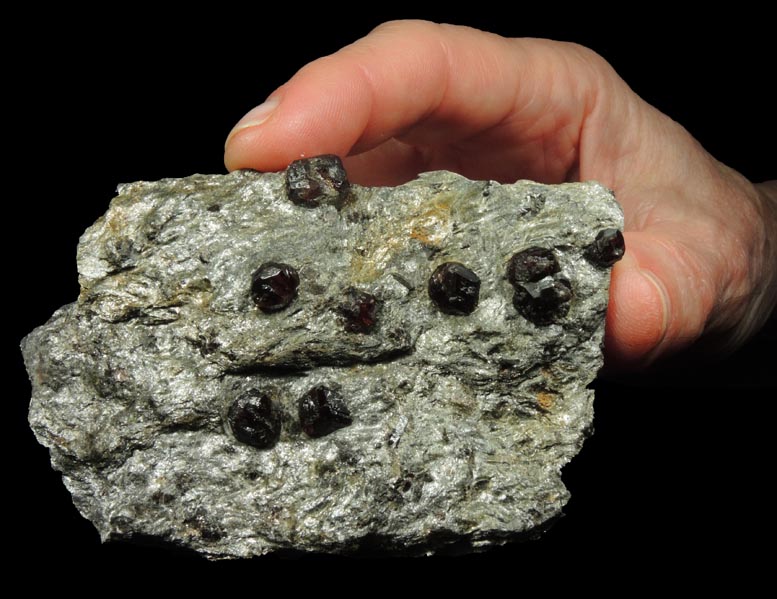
(658, 302)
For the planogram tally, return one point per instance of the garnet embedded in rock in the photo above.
(531, 265)
(608, 247)
(274, 286)
(454, 288)
(543, 302)
(322, 411)
(254, 420)
(318, 180)
(359, 311)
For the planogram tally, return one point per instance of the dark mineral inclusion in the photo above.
(254, 420)
(542, 294)
(274, 286)
(322, 411)
(454, 288)
(287, 361)
(359, 311)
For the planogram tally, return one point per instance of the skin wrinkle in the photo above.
(666, 309)
(501, 124)
(425, 157)
(744, 258)
(437, 114)
(766, 205)
(366, 141)
(578, 145)
(508, 75)
(629, 151)
(735, 258)
(696, 278)
(723, 256)
(544, 156)
(566, 151)
(581, 88)
(447, 54)
(593, 127)
(365, 75)
(639, 221)
(535, 124)
(645, 143)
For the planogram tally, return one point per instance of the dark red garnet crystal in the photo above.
(359, 311)
(274, 286)
(317, 180)
(606, 249)
(531, 265)
(322, 411)
(543, 302)
(454, 288)
(254, 420)
(541, 295)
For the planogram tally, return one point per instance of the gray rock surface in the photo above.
(460, 424)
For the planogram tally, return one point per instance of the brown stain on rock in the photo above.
(429, 225)
(546, 400)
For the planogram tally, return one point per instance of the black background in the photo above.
(674, 479)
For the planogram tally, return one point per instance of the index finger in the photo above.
(437, 91)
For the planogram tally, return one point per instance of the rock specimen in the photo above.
(273, 361)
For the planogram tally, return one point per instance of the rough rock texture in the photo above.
(432, 431)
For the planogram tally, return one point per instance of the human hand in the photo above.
(700, 266)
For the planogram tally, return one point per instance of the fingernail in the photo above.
(255, 117)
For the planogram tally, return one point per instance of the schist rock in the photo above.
(286, 361)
